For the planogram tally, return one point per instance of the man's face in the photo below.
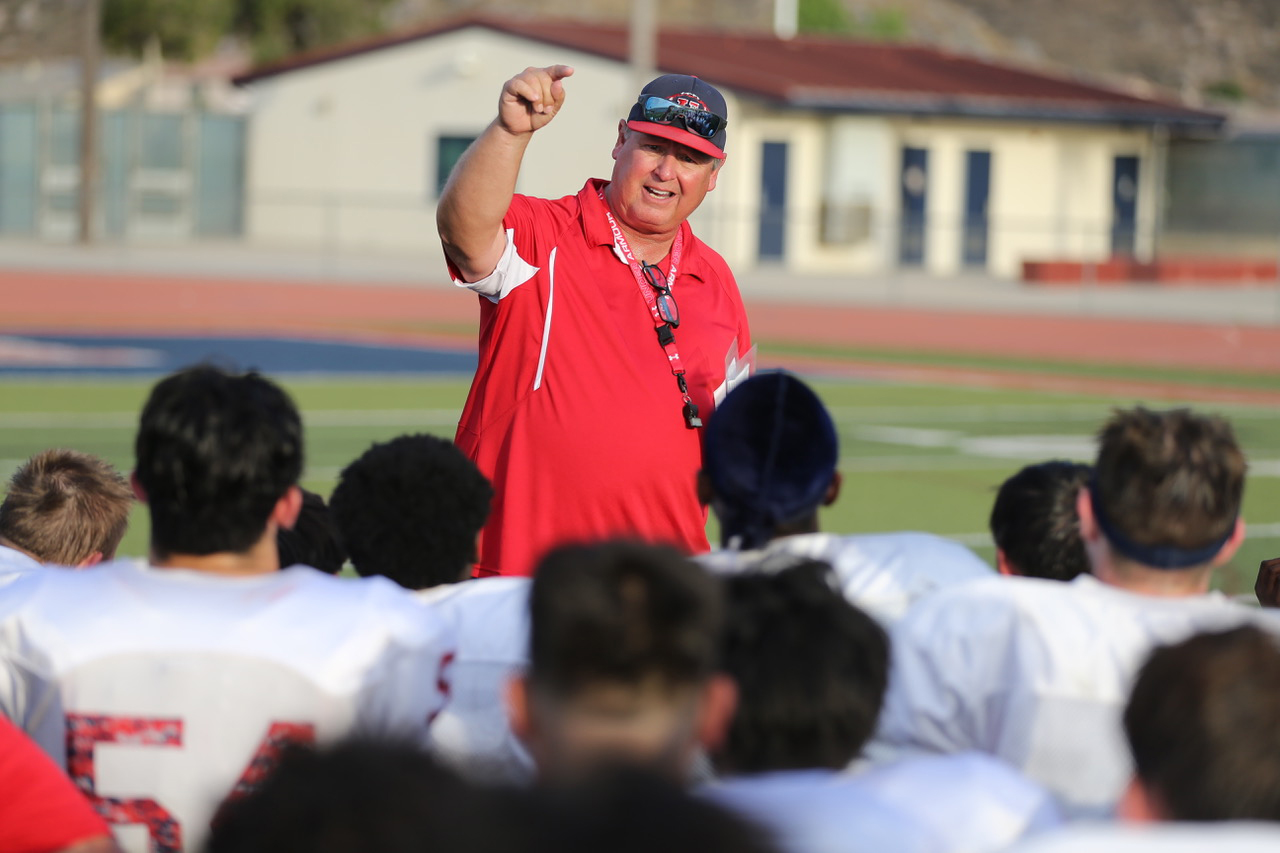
(657, 183)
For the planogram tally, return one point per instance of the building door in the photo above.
(773, 201)
(915, 183)
(977, 192)
(1124, 205)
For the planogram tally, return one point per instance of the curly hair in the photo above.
(410, 509)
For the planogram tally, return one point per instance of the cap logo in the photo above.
(688, 99)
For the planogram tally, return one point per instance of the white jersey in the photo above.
(973, 802)
(1219, 837)
(821, 811)
(163, 691)
(490, 618)
(13, 562)
(882, 573)
(1035, 672)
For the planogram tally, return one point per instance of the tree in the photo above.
(185, 29)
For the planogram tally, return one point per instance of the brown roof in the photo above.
(819, 73)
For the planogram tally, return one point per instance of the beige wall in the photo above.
(342, 156)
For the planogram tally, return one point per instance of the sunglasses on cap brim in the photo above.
(700, 122)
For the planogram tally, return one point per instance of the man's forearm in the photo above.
(476, 198)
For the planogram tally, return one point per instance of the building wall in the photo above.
(343, 155)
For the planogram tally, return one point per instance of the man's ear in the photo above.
(135, 484)
(1138, 805)
(623, 130)
(1232, 545)
(1003, 566)
(288, 508)
(706, 494)
(833, 490)
(715, 712)
(1089, 531)
(92, 560)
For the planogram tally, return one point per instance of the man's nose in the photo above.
(665, 169)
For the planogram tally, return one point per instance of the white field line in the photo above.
(1015, 413)
(311, 417)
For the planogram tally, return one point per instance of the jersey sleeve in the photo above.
(410, 683)
(41, 809)
(526, 223)
(953, 662)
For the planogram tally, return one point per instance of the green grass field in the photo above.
(915, 457)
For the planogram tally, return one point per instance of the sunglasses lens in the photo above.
(661, 111)
(668, 311)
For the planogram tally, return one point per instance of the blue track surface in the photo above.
(62, 354)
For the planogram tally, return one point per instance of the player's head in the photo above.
(811, 671)
(313, 539)
(1165, 497)
(770, 460)
(353, 797)
(66, 508)
(216, 452)
(1201, 723)
(622, 656)
(410, 509)
(1035, 524)
(626, 811)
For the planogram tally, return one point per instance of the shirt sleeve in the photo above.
(41, 809)
(527, 224)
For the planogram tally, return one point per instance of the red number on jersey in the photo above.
(84, 730)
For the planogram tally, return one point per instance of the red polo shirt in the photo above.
(574, 414)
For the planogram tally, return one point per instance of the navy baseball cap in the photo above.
(771, 451)
(684, 109)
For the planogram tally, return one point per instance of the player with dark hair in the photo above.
(193, 670)
(622, 662)
(1191, 721)
(313, 539)
(1035, 524)
(770, 465)
(410, 509)
(811, 670)
(1035, 672)
(64, 508)
(606, 326)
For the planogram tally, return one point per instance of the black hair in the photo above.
(355, 796)
(313, 540)
(410, 509)
(811, 671)
(621, 613)
(215, 451)
(1201, 723)
(1035, 522)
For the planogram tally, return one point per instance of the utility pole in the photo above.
(642, 42)
(90, 54)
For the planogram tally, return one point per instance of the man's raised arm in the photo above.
(469, 216)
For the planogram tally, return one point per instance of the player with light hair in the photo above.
(770, 464)
(1036, 672)
(65, 508)
(168, 686)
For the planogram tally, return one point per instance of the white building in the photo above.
(842, 156)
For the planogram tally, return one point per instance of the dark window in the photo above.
(448, 150)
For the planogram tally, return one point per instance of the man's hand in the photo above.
(532, 98)
(1268, 586)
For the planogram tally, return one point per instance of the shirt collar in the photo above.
(596, 230)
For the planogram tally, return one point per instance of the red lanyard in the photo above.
(666, 334)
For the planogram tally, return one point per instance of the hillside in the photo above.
(1203, 51)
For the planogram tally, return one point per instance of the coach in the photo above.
(607, 330)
